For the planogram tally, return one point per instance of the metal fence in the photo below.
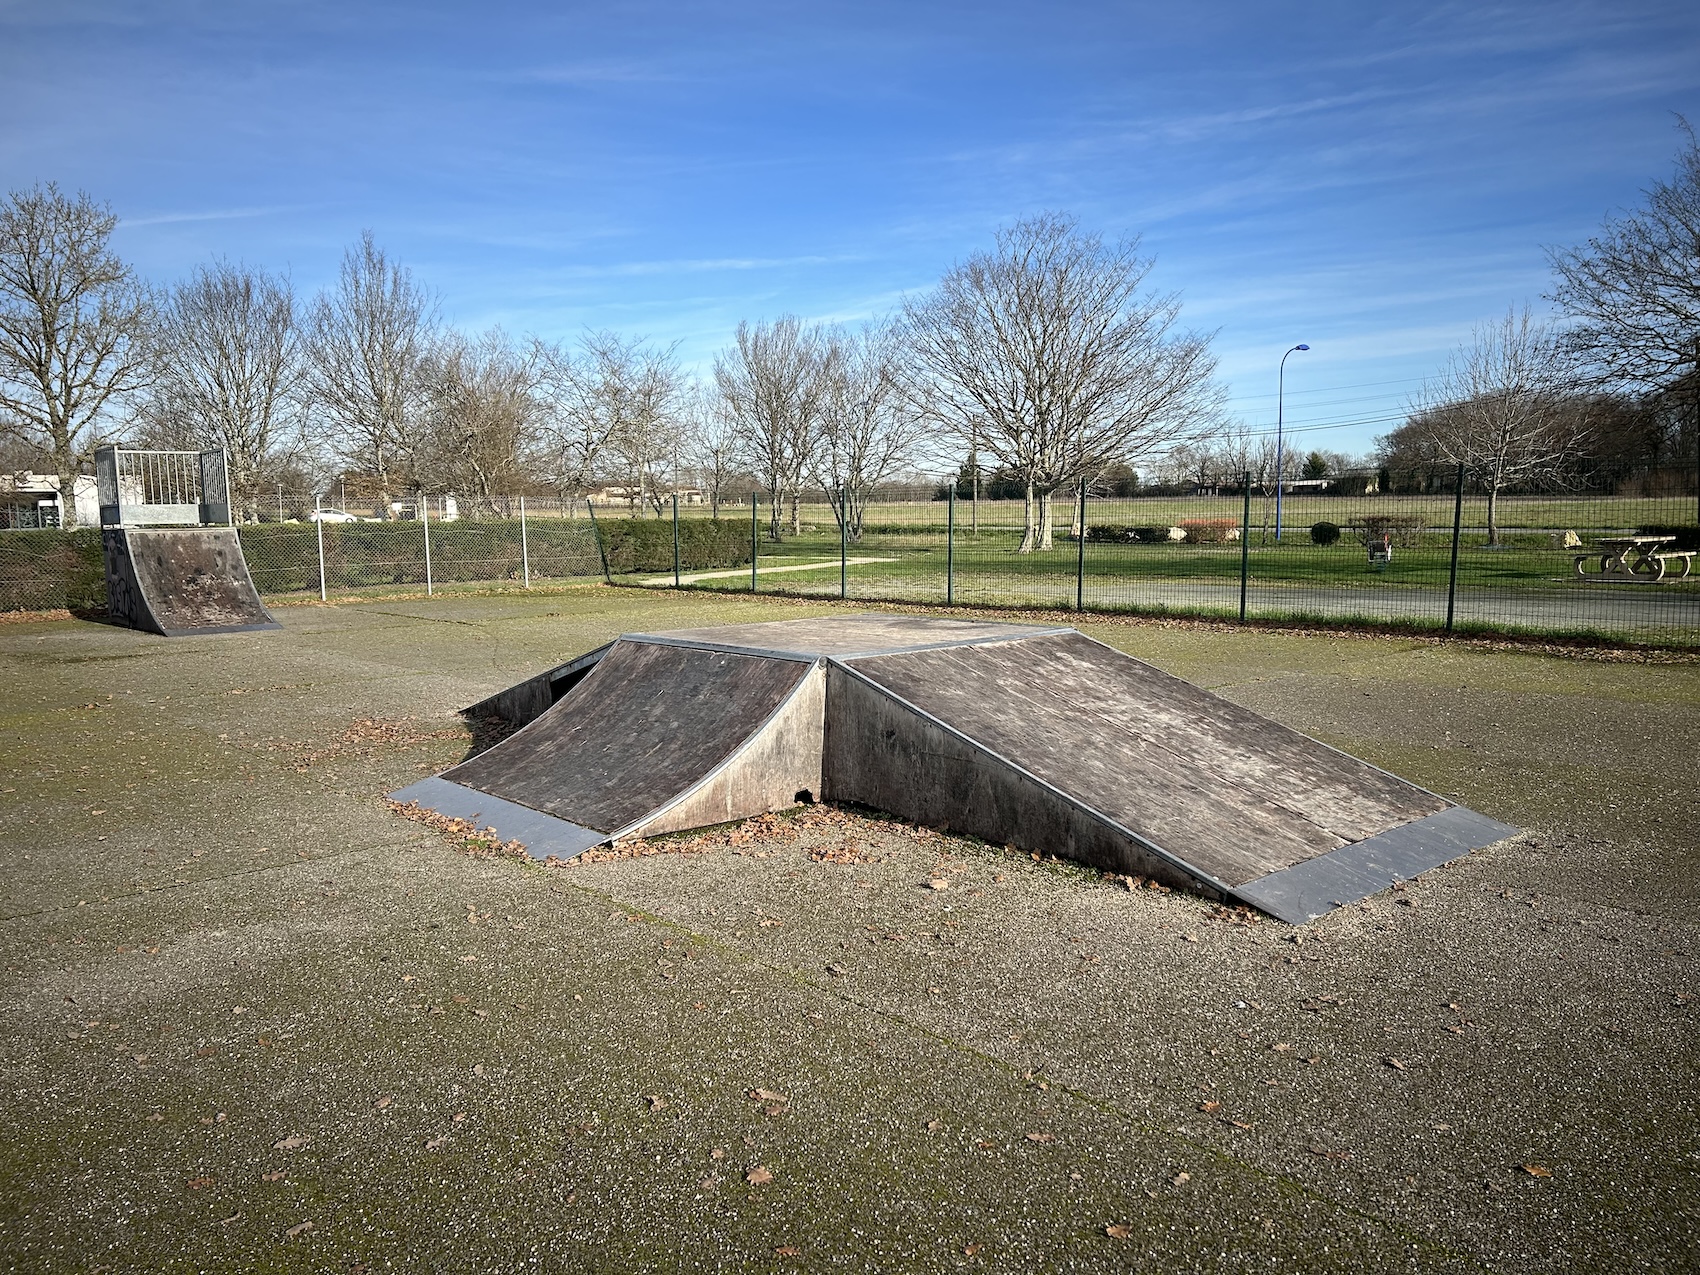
(1381, 550)
(1372, 549)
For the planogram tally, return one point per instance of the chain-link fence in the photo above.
(1417, 551)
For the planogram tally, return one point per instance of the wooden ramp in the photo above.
(181, 581)
(1026, 735)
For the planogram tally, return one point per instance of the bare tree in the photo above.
(1503, 408)
(642, 389)
(73, 322)
(869, 429)
(229, 373)
(711, 447)
(1633, 291)
(774, 384)
(368, 341)
(483, 417)
(1049, 350)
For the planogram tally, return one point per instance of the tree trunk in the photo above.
(1029, 524)
(1493, 512)
(1046, 521)
(67, 493)
(796, 513)
(775, 527)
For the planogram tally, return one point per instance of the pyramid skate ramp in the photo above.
(181, 581)
(1027, 735)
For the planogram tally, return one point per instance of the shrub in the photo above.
(1324, 533)
(1112, 533)
(1210, 531)
(1405, 530)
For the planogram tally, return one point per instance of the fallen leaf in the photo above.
(298, 1230)
(973, 1250)
(276, 1175)
(1210, 1108)
(933, 1126)
(759, 1176)
(1239, 1124)
(433, 1144)
(656, 1102)
(1118, 1232)
(767, 1095)
(717, 1154)
(837, 971)
(1280, 1047)
(1182, 1177)
(708, 1183)
(291, 1143)
(939, 883)
(200, 1183)
(1394, 1063)
(384, 1102)
(787, 1250)
(1041, 1137)
(1536, 1170)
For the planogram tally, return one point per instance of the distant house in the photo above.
(30, 500)
(633, 496)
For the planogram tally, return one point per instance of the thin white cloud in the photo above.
(216, 214)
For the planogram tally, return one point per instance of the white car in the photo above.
(331, 515)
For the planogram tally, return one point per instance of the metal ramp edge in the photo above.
(1318, 886)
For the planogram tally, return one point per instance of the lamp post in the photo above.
(1280, 453)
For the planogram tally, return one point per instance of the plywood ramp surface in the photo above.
(1233, 793)
(649, 723)
(182, 580)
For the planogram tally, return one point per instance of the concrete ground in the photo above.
(256, 1021)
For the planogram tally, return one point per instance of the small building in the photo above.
(30, 500)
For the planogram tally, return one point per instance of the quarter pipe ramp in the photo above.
(181, 581)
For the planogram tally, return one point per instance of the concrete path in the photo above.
(744, 572)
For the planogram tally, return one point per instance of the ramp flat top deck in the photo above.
(844, 636)
(646, 724)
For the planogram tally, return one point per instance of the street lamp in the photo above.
(1280, 453)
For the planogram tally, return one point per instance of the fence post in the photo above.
(596, 530)
(950, 547)
(1457, 531)
(524, 546)
(425, 523)
(1245, 545)
(843, 541)
(755, 536)
(675, 540)
(1080, 555)
(319, 522)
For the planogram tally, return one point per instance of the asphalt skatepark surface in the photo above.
(257, 1021)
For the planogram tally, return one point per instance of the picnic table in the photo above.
(1635, 560)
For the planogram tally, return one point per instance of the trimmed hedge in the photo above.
(646, 544)
(48, 569)
(1210, 531)
(1324, 533)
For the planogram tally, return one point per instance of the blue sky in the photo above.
(1372, 180)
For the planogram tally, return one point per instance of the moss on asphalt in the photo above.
(184, 1001)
